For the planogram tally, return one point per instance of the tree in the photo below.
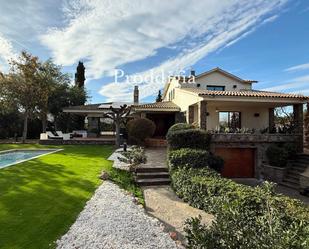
(22, 87)
(80, 75)
(51, 79)
(118, 115)
(159, 97)
(63, 96)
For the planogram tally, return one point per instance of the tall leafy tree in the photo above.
(22, 87)
(52, 79)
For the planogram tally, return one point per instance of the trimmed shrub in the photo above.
(194, 158)
(139, 129)
(180, 126)
(216, 163)
(245, 217)
(277, 156)
(189, 138)
(291, 149)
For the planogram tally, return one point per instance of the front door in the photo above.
(163, 122)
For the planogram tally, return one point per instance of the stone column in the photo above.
(306, 128)
(271, 120)
(92, 124)
(190, 114)
(298, 118)
(299, 124)
(202, 114)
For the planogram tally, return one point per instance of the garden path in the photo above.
(162, 203)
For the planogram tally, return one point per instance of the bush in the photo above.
(216, 163)
(291, 150)
(245, 217)
(180, 126)
(189, 138)
(194, 158)
(139, 129)
(277, 156)
(134, 156)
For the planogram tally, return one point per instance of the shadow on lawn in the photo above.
(39, 201)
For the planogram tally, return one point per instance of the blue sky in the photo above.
(256, 39)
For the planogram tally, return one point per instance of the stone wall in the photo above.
(258, 142)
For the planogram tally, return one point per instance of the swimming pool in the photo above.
(11, 157)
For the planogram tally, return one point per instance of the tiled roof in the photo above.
(83, 107)
(220, 70)
(167, 105)
(245, 93)
(95, 107)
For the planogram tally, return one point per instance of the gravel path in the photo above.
(111, 220)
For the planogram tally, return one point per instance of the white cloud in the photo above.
(110, 34)
(6, 53)
(297, 68)
(296, 83)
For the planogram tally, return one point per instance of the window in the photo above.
(215, 88)
(230, 120)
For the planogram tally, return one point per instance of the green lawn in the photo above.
(41, 198)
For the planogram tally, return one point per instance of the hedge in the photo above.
(189, 138)
(195, 158)
(245, 217)
(180, 126)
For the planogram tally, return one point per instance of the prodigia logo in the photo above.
(152, 76)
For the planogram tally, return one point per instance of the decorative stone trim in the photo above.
(272, 173)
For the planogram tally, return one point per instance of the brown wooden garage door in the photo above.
(238, 162)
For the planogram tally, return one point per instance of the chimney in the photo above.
(192, 72)
(136, 95)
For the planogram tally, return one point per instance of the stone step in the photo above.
(153, 182)
(297, 167)
(295, 170)
(291, 180)
(290, 185)
(151, 175)
(148, 169)
(294, 176)
(304, 162)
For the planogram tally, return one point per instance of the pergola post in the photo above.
(202, 114)
(190, 114)
(298, 114)
(271, 120)
(92, 123)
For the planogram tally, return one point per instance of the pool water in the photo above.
(16, 156)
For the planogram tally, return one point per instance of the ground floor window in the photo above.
(230, 120)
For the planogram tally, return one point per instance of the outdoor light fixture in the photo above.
(217, 109)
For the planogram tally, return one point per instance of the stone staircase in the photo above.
(297, 166)
(152, 176)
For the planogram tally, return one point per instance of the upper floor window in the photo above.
(171, 95)
(215, 88)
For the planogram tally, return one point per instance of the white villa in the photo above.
(242, 119)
